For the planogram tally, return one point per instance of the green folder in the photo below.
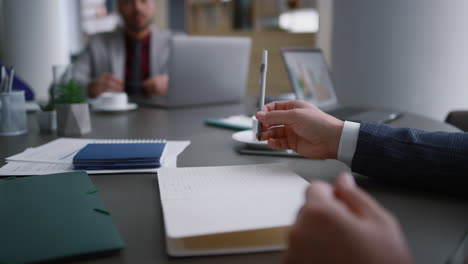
(220, 123)
(52, 217)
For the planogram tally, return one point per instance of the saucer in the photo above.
(102, 108)
(246, 137)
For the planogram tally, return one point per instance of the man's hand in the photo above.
(156, 85)
(342, 224)
(105, 83)
(305, 129)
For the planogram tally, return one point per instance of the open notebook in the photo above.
(229, 209)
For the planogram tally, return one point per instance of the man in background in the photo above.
(131, 59)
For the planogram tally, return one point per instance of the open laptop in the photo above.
(204, 70)
(311, 81)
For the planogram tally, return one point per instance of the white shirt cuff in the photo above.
(348, 142)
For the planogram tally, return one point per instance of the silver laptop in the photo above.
(311, 81)
(204, 70)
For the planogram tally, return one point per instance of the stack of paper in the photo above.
(231, 209)
(57, 156)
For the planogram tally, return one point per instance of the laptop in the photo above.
(204, 70)
(311, 81)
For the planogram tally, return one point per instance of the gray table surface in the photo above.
(432, 223)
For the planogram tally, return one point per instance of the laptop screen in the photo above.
(309, 76)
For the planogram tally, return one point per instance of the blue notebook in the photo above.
(119, 156)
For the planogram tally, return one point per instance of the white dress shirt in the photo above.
(348, 142)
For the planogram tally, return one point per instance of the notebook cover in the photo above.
(52, 217)
(116, 166)
(120, 152)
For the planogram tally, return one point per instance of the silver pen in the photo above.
(263, 72)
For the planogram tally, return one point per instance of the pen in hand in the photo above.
(263, 72)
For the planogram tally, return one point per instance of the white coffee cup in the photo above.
(112, 100)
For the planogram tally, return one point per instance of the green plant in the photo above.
(69, 93)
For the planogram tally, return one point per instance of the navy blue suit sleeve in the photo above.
(411, 155)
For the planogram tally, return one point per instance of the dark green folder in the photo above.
(220, 123)
(51, 217)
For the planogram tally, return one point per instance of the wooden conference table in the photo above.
(433, 224)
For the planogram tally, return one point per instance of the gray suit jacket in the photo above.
(105, 53)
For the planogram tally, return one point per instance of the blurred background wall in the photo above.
(406, 55)
(35, 38)
(258, 19)
(1, 30)
(161, 20)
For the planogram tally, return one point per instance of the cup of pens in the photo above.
(13, 119)
(12, 113)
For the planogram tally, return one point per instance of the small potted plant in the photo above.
(72, 109)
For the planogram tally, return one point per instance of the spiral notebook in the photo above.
(99, 156)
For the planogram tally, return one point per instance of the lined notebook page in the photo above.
(210, 200)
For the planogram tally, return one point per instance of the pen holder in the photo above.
(13, 120)
(73, 119)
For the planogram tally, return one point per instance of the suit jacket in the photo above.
(105, 53)
(411, 155)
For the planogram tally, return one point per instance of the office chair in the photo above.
(458, 119)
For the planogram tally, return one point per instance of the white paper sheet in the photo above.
(62, 150)
(212, 200)
(57, 156)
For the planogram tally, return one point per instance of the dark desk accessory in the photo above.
(268, 152)
(460, 256)
(378, 116)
